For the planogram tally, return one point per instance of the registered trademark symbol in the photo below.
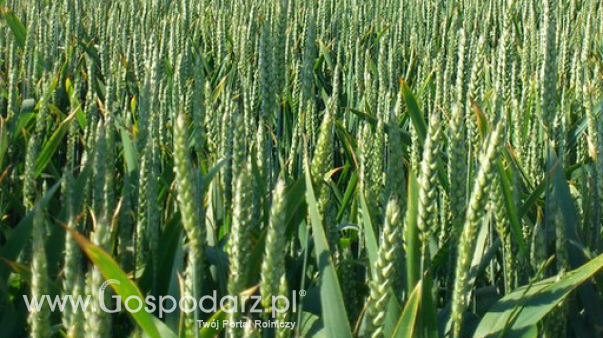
(302, 292)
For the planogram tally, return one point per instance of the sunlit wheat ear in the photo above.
(239, 246)
(473, 218)
(140, 238)
(385, 272)
(72, 281)
(273, 265)
(427, 213)
(457, 149)
(188, 203)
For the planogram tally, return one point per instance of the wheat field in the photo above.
(408, 168)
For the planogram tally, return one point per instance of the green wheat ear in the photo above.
(427, 213)
(273, 265)
(322, 162)
(239, 248)
(283, 290)
(473, 218)
(39, 321)
(188, 202)
(385, 273)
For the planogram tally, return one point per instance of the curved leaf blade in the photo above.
(526, 306)
(407, 323)
(152, 327)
